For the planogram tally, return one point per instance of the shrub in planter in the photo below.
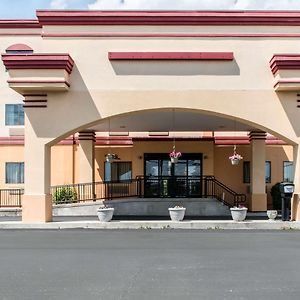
(275, 193)
(64, 195)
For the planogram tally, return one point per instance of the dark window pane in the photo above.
(288, 171)
(246, 172)
(14, 114)
(117, 171)
(268, 172)
(14, 172)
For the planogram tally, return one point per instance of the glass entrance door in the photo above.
(163, 179)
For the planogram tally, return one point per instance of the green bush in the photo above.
(275, 193)
(64, 195)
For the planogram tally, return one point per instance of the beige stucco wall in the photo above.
(62, 161)
(232, 176)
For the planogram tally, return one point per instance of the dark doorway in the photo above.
(164, 179)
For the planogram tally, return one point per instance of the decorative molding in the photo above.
(35, 100)
(170, 55)
(20, 24)
(87, 136)
(285, 62)
(38, 61)
(257, 135)
(165, 35)
(219, 141)
(191, 18)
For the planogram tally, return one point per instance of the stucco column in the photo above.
(295, 205)
(36, 202)
(86, 154)
(258, 200)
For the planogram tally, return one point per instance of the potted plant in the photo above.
(174, 156)
(238, 213)
(105, 213)
(235, 158)
(272, 214)
(177, 213)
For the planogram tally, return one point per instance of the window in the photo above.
(14, 114)
(268, 171)
(246, 172)
(14, 172)
(117, 171)
(288, 171)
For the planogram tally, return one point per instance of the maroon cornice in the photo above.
(244, 140)
(20, 24)
(38, 61)
(94, 17)
(170, 55)
(168, 138)
(285, 62)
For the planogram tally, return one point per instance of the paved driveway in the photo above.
(148, 264)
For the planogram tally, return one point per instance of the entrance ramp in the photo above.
(146, 207)
(202, 207)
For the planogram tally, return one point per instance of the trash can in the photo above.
(286, 192)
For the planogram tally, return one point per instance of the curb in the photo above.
(195, 225)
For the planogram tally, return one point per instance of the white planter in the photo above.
(177, 213)
(174, 160)
(238, 214)
(105, 214)
(235, 162)
(272, 214)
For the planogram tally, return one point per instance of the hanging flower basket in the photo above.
(235, 159)
(174, 156)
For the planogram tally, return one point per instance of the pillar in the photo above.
(37, 201)
(295, 205)
(86, 153)
(258, 200)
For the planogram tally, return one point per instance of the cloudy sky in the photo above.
(12, 9)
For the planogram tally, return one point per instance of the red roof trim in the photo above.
(20, 24)
(129, 141)
(166, 35)
(285, 62)
(239, 18)
(244, 140)
(170, 55)
(38, 61)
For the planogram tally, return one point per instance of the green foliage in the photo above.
(275, 193)
(64, 195)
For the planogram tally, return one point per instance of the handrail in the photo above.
(209, 186)
(11, 197)
(223, 193)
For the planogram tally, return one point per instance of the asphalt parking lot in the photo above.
(149, 264)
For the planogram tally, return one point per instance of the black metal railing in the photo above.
(11, 197)
(74, 193)
(216, 189)
(150, 187)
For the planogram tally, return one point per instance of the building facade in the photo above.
(76, 86)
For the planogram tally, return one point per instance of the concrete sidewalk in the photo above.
(157, 224)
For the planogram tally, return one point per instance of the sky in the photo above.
(20, 9)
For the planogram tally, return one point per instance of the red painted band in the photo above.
(20, 24)
(167, 35)
(170, 55)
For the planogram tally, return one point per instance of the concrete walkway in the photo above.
(157, 224)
